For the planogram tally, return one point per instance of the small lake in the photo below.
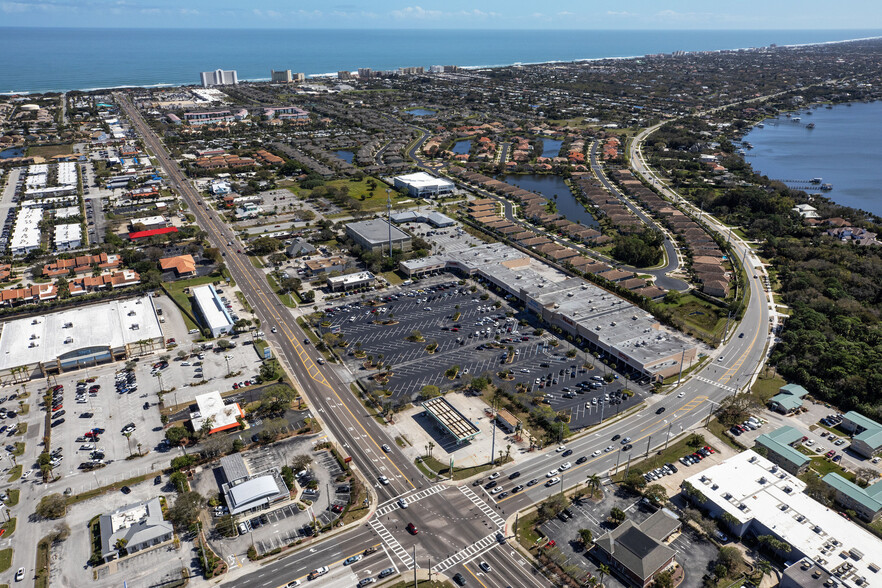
(419, 112)
(346, 156)
(551, 147)
(551, 186)
(463, 146)
(12, 152)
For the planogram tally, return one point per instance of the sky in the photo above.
(449, 14)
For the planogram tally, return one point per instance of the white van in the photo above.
(192, 331)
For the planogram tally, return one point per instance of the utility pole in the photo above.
(668, 437)
(682, 359)
(414, 567)
(648, 441)
(493, 441)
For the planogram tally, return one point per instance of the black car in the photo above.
(58, 414)
(567, 453)
(55, 423)
(660, 410)
(627, 447)
(582, 459)
(490, 484)
(616, 437)
(157, 480)
(514, 475)
(125, 490)
(459, 579)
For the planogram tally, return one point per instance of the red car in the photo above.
(411, 528)
(830, 453)
(337, 508)
(57, 388)
(235, 385)
(57, 408)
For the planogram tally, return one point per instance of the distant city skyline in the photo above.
(451, 14)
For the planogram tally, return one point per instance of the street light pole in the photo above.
(668, 436)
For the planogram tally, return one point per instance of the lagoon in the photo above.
(346, 156)
(556, 190)
(419, 112)
(551, 147)
(843, 149)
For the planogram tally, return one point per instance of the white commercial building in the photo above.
(67, 212)
(212, 311)
(422, 184)
(80, 337)
(26, 231)
(760, 498)
(350, 281)
(219, 77)
(68, 237)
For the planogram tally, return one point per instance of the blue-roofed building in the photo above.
(780, 451)
(866, 502)
(866, 433)
(789, 399)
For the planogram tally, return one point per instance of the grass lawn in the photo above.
(674, 452)
(393, 277)
(719, 430)
(458, 473)
(22, 429)
(176, 290)
(9, 527)
(357, 508)
(244, 302)
(360, 190)
(767, 386)
(42, 566)
(104, 489)
(15, 473)
(284, 298)
(255, 261)
(353, 387)
(705, 318)
(259, 346)
(697, 365)
(14, 495)
(48, 151)
(527, 535)
(19, 448)
(5, 559)
(824, 466)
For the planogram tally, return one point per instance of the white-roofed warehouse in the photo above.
(422, 184)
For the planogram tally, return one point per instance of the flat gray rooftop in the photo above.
(376, 231)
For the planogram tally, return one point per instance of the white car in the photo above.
(596, 453)
(681, 395)
(494, 475)
(383, 480)
(551, 474)
(552, 481)
(402, 503)
(19, 575)
(496, 490)
(608, 449)
(561, 448)
(565, 466)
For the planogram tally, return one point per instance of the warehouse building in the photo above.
(139, 525)
(211, 310)
(375, 235)
(81, 337)
(422, 184)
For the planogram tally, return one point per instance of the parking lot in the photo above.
(478, 342)
(694, 552)
(284, 524)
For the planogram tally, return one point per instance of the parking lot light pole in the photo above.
(227, 358)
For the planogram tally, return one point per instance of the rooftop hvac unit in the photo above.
(69, 340)
(68, 325)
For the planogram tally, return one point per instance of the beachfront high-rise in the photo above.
(219, 77)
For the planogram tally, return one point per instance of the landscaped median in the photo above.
(432, 467)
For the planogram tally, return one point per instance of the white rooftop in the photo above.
(352, 278)
(112, 324)
(213, 311)
(752, 488)
(422, 180)
(211, 406)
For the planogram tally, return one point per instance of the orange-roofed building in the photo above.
(183, 265)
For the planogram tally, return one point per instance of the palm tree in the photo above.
(430, 447)
(594, 484)
(604, 571)
(764, 568)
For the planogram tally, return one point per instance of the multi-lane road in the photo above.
(457, 522)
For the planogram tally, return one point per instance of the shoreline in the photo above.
(321, 76)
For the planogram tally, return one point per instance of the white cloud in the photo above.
(623, 13)
(416, 13)
(188, 11)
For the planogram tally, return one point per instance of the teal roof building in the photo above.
(866, 502)
(788, 399)
(778, 445)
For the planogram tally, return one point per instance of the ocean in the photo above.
(59, 59)
(843, 149)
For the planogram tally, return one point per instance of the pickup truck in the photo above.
(318, 572)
